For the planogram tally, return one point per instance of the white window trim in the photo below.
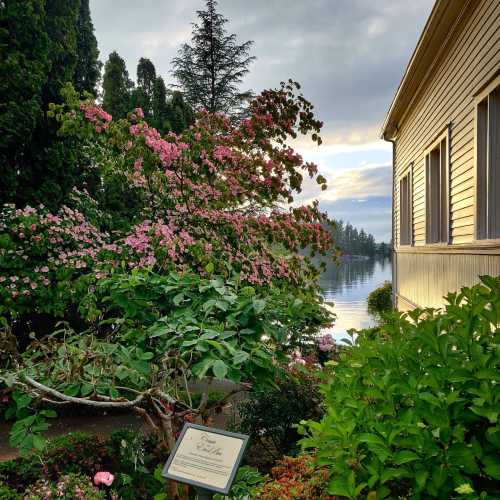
(477, 100)
(408, 172)
(444, 135)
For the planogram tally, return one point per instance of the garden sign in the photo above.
(206, 458)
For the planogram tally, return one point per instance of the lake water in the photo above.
(347, 286)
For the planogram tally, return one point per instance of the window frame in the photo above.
(478, 100)
(435, 144)
(408, 173)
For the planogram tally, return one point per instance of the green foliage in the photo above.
(7, 493)
(88, 66)
(380, 300)
(38, 44)
(269, 415)
(416, 411)
(26, 433)
(246, 484)
(210, 68)
(128, 455)
(24, 56)
(116, 86)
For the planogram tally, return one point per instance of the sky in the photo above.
(348, 55)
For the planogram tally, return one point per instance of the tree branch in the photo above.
(88, 402)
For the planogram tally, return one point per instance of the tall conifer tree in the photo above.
(212, 66)
(116, 86)
(88, 67)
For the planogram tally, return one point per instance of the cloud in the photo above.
(370, 213)
(348, 54)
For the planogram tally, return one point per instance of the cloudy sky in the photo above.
(349, 55)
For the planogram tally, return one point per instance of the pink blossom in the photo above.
(103, 477)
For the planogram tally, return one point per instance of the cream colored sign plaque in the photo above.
(206, 457)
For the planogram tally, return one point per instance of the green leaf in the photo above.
(220, 369)
(492, 466)
(240, 357)
(405, 456)
(339, 486)
(39, 442)
(259, 305)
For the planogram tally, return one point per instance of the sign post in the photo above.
(206, 459)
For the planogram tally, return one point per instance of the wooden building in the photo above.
(444, 123)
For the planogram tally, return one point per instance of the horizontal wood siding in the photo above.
(470, 61)
(423, 279)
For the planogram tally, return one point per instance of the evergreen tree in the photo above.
(159, 105)
(179, 114)
(24, 66)
(142, 96)
(88, 67)
(116, 86)
(41, 167)
(211, 68)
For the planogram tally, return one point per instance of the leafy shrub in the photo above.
(245, 486)
(69, 487)
(131, 457)
(269, 415)
(296, 479)
(416, 411)
(380, 300)
(7, 493)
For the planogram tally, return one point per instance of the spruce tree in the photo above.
(88, 67)
(211, 68)
(116, 86)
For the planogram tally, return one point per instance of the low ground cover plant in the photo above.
(415, 412)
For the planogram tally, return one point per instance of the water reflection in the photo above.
(347, 286)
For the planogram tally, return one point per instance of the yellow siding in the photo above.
(471, 61)
(444, 273)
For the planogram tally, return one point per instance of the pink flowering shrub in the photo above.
(43, 256)
(217, 194)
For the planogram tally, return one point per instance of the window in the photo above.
(488, 163)
(436, 192)
(405, 209)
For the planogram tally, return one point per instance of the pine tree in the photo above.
(88, 67)
(116, 86)
(210, 69)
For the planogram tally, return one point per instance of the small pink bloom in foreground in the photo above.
(103, 478)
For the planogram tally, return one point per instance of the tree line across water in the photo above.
(352, 241)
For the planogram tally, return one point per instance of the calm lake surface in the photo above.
(347, 286)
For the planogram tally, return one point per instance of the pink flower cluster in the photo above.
(326, 343)
(96, 115)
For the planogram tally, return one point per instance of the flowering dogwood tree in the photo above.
(207, 281)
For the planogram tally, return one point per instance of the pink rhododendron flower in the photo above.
(103, 477)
